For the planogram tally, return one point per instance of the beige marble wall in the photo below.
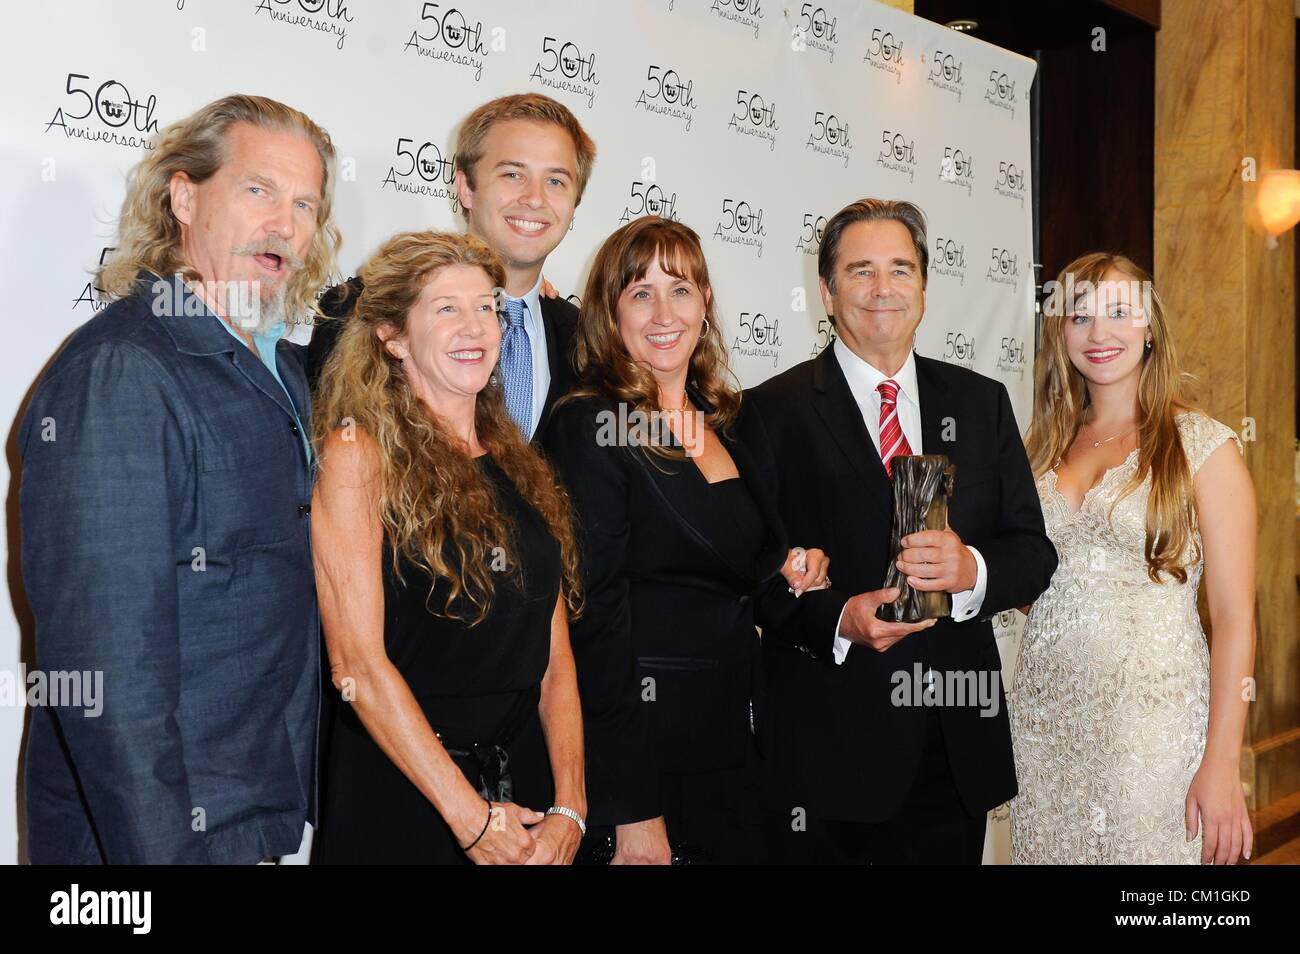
(1225, 93)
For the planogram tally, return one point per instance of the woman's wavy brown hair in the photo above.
(602, 361)
(1061, 399)
(149, 235)
(437, 507)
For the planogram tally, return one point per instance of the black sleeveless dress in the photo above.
(477, 686)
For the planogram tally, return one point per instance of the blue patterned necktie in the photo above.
(517, 366)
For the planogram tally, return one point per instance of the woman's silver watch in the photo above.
(568, 813)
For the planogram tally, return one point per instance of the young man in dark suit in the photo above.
(522, 164)
(889, 742)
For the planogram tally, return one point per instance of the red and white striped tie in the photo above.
(893, 442)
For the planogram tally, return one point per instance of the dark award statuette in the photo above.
(922, 486)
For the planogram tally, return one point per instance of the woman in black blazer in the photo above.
(682, 554)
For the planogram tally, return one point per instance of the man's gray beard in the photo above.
(271, 311)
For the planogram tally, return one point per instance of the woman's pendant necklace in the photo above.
(1109, 439)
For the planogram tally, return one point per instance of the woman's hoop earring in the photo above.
(706, 328)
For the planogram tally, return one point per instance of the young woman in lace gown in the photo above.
(1127, 728)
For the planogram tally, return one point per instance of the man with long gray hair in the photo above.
(165, 497)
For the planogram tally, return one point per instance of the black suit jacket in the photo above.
(839, 744)
(664, 604)
(559, 319)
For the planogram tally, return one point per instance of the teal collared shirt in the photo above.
(266, 351)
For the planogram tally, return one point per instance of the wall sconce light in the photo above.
(1278, 202)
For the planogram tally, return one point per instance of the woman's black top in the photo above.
(677, 571)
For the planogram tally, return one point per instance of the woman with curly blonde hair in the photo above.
(445, 567)
(1127, 728)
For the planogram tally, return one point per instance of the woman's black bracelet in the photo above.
(484, 831)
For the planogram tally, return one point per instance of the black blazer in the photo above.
(838, 744)
(559, 319)
(664, 605)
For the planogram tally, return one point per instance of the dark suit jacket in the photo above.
(166, 545)
(559, 319)
(839, 744)
(664, 604)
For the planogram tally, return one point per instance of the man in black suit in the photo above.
(522, 164)
(889, 742)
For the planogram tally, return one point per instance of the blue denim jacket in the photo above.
(166, 543)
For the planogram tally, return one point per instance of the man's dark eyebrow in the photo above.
(907, 262)
(516, 164)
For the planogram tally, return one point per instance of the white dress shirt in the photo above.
(863, 380)
(537, 341)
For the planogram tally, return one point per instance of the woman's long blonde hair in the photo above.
(1061, 401)
(149, 235)
(438, 509)
(604, 366)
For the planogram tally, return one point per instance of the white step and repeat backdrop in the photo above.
(750, 120)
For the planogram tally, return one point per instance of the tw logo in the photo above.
(668, 87)
(949, 253)
(956, 164)
(1009, 176)
(453, 29)
(959, 347)
(897, 147)
(885, 53)
(754, 110)
(1001, 87)
(884, 47)
(945, 68)
(828, 129)
(818, 24)
(650, 200)
(569, 60)
(739, 217)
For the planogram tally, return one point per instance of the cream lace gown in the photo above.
(1110, 701)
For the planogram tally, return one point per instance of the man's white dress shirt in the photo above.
(863, 380)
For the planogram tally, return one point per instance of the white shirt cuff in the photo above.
(967, 603)
(842, 645)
